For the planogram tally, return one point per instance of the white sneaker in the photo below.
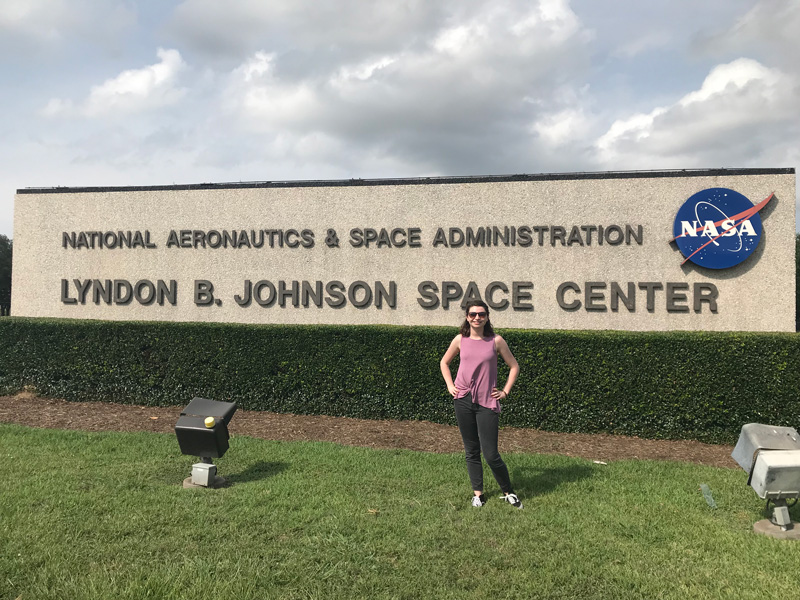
(512, 499)
(478, 500)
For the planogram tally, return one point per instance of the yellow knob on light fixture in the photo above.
(210, 422)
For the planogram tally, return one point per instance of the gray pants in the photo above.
(479, 431)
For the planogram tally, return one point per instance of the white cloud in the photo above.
(456, 40)
(769, 29)
(54, 21)
(362, 71)
(42, 19)
(556, 16)
(636, 46)
(131, 91)
(742, 111)
(734, 77)
(235, 28)
(566, 126)
(455, 99)
(260, 98)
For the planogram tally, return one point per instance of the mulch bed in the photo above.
(31, 410)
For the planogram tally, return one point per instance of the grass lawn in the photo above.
(103, 515)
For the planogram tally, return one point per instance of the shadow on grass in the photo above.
(259, 470)
(538, 482)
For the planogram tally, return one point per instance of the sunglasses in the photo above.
(473, 315)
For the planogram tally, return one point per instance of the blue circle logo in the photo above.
(718, 228)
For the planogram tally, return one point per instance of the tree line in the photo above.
(6, 248)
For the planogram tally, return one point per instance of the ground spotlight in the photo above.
(771, 457)
(202, 430)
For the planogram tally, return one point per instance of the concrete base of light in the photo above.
(218, 483)
(767, 527)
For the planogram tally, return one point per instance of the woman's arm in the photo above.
(505, 352)
(444, 364)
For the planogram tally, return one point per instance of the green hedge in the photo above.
(701, 386)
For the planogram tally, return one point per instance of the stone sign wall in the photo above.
(628, 251)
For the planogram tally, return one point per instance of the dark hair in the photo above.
(487, 329)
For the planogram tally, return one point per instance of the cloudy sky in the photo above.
(115, 92)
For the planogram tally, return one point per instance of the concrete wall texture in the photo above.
(388, 251)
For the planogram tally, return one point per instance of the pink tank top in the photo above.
(477, 371)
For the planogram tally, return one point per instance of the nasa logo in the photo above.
(718, 228)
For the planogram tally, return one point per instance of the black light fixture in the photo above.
(202, 430)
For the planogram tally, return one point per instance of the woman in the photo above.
(477, 397)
